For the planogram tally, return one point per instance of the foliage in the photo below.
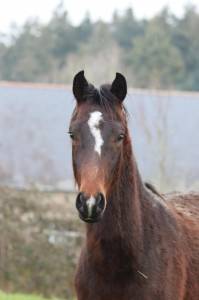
(126, 28)
(186, 40)
(155, 52)
(161, 52)
(39, 243)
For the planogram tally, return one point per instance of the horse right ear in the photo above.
(119, 87)
(80, 85)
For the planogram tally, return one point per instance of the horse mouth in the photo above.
(90, 220)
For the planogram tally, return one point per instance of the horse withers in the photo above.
(139, 245)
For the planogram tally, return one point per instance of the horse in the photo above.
(139, 243)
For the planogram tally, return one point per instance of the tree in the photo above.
(61, 34)
(186, 39)
(25, 60)
(100, 57)
(125, 28)
(154, 61)
(3, 50)
(84, 30)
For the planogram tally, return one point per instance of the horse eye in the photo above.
(71, 134)
(120, 137)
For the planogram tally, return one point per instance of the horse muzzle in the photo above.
(90, 208)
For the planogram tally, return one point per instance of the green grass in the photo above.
(4, 296)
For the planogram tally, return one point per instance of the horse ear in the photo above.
(80, 84)
(119, 87)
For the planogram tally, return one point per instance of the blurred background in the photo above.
(42, 45)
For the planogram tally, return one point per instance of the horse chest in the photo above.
(105, 289)
(109, 284)
(118, 284)
(114, 288)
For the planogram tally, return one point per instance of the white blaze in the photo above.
(90, 203)
(93, 123)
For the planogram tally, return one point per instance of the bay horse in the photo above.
(139, 244)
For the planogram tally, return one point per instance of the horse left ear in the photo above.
(119, 87)
(80, 84)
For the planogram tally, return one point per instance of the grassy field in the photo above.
(4, 296)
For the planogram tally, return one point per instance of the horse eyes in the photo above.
(120, 137)
(71, 134)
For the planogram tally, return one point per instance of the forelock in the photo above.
(103, 97)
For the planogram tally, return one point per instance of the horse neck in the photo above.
(121, 226)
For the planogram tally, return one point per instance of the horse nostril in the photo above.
(100, 201)
(80, 201)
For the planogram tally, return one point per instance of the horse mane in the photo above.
(152, 188)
